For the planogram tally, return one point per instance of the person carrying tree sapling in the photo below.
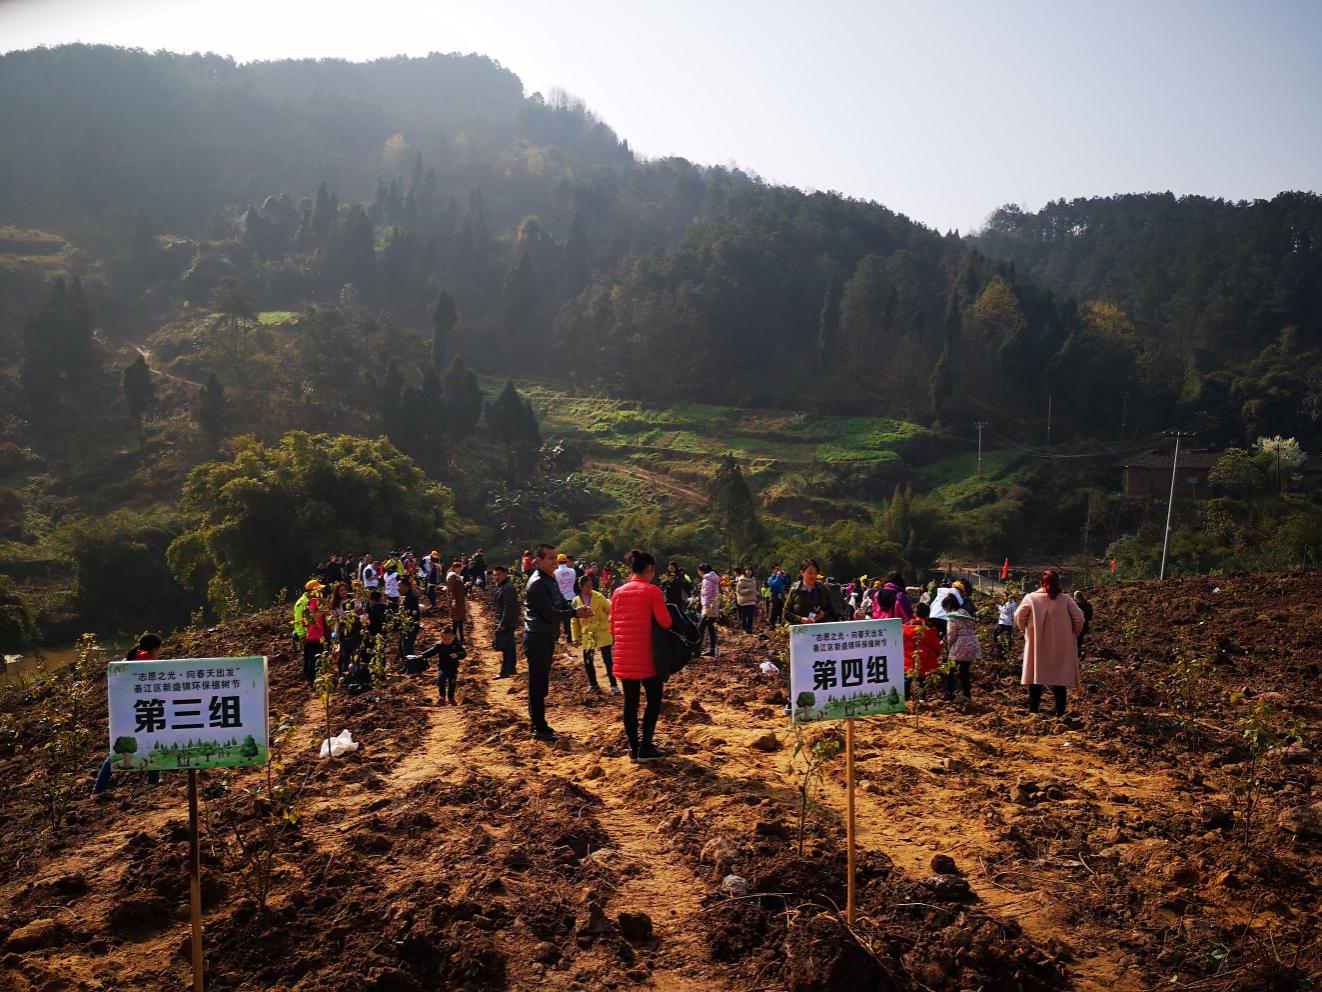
(594, 633)
(448, 652)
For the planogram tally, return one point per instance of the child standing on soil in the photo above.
(922, 650)
(448, 652)
(594, 633)
(962, 646)
(1003, 636)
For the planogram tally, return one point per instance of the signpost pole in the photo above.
(849, 823)
(195, 878)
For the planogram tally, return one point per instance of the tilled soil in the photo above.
(998, 849)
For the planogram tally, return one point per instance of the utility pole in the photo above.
(1124, 414)
(979, 425)
(1049, 398)
(1170, 503)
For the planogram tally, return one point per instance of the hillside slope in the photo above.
(1106, 851)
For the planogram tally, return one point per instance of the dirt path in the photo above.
(936, 784)
(657, 481)
(146, 354)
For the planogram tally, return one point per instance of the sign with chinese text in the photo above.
(187, 713)
(841, 670)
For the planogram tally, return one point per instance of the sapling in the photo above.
(816, 756)
(277, 802)
(325, 686)
(1263, 735)
(67, 724)
(1186, 689)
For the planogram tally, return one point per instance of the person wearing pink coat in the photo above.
(1051, 622)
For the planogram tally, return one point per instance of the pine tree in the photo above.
(828, 321)
(78, 346)
(463, 399)
(732, 509)
(518, 297)
(513, 421)
(139, 391)
(211, 410)
(577, 265)
(43, 333)
(444, 317)
(235, 317)
(431, 421)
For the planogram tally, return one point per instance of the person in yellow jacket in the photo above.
(301, 612)
(594, 633)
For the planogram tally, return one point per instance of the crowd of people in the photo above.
(367, 613)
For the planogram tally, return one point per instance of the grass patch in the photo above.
(273, 317)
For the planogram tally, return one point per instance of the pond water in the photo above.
(20, 666)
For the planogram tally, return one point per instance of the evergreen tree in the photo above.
(211, 410)
(39, 368)
(139, 391)
(577, 264)
(235, 317)
(444, 317)
(431, 417)
(518, 298)
(323, 217)
(731, 507)
(828, 322)
(463, 399)
(77, 345)
(513, 421)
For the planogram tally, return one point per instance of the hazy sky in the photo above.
(942, 111)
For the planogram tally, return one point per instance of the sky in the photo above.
(940, 110)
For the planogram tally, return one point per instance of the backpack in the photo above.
(672, 649)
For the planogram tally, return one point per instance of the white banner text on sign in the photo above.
(187, 713)
(843, 670)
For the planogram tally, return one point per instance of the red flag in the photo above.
(1113, 564)
(1005, 570)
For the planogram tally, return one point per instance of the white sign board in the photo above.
(187, 713)
(841, 670)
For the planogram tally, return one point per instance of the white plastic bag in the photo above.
(768, 668)
(336, 746)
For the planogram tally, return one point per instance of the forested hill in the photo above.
(658, 280)
(1225, 297)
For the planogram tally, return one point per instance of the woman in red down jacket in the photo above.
(633, 608)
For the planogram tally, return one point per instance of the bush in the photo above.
(18, 624)
(271, 513)
(121, 582)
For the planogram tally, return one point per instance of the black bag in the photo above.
(672, 649)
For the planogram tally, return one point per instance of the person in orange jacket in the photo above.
(922, 649)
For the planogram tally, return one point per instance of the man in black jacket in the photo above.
(544, 610)
(506, 603)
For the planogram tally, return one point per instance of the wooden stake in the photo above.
(195, 879)
(849, 822)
